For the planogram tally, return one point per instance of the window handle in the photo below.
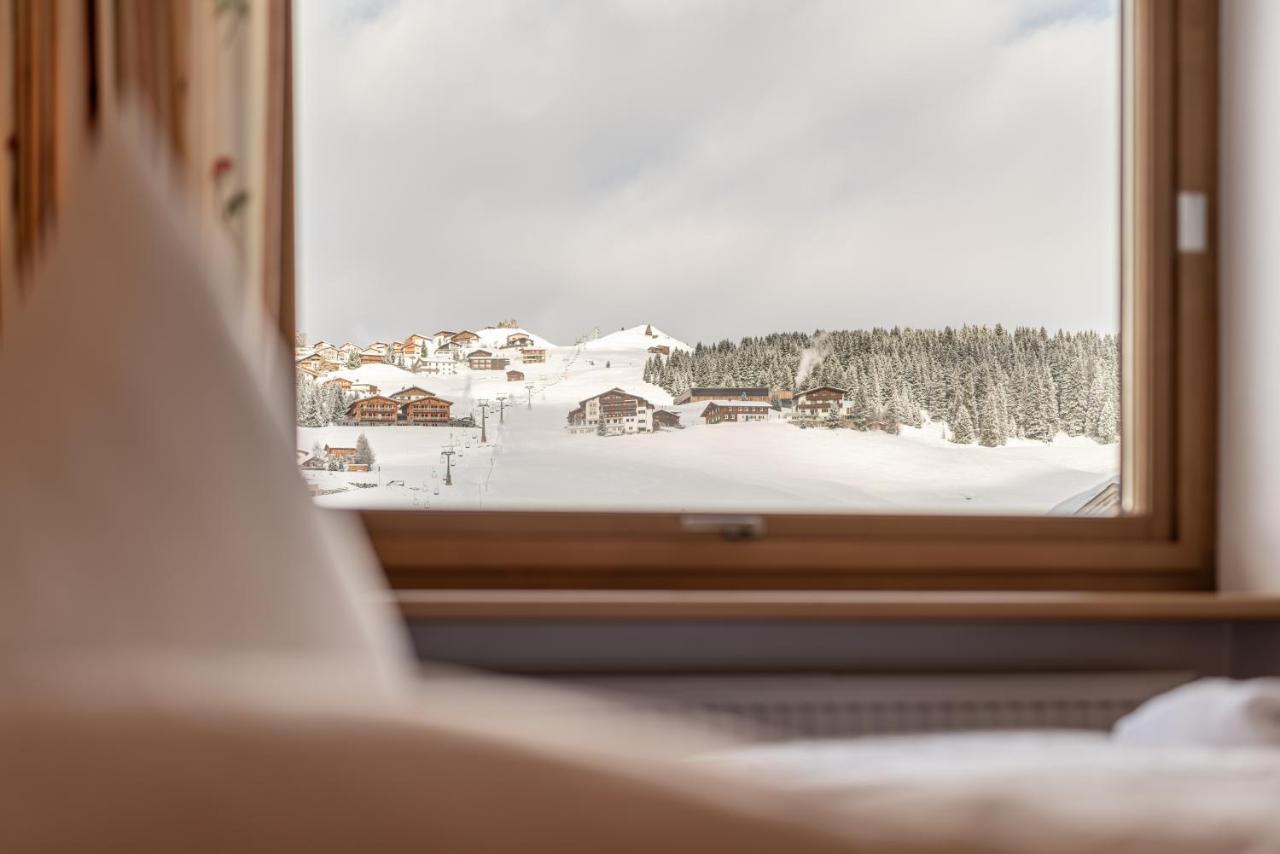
(731, 527)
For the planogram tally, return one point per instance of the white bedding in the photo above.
(1033, 791)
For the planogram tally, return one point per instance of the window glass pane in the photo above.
(845, 256)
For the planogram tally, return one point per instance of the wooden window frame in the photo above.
(1164, 541)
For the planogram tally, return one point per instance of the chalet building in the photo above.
(310, 463)
(533, 355)
(698, 395)
(416, 340)
(665, 419)
(397, 348)
(320, 345)
(438, 366)
(310, 363)
(781, 397)
(330, 367)
(328, 352)
(612, 413)
(449, 348)
(373, 411)
(347, 349)
(405, 395)
(660, 348)
(517, 339)
(464, 338)
(429, 411)
(817, 402)
(483, 360)
(367, 389)
(341, 382)
(372, 357)
(718, 413)
(307, 372)
(379, 347)
(515, 376)
(340, 453)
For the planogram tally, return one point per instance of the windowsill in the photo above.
(830, 605)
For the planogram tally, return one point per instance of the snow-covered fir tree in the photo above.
(364, 452)
(962, 430)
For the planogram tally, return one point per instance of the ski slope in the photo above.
(531, 462)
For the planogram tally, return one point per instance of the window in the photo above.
(936, 244)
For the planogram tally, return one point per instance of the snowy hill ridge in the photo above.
(640, 337)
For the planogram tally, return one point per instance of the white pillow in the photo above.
(1216, 712)
(149, 499)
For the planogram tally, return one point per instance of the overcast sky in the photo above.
(718, 168)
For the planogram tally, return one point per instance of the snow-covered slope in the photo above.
(636, 339)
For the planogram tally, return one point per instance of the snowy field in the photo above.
(531, 462)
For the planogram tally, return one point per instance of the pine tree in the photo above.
(1104, 420)
(353, 359)
(309, 405)
(364, 453)
(991, 430)
(962, 429)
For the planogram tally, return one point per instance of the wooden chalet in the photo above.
(347, 349)
(314, 362)
(698, 395)
(311, 463)
(373, 411)
(372, 357)
(341, 382)
(720, 412)
(430, 411)
(533, 355)
(464, 338)
(483, 360)
(364, 388)
(517, 339)
(379, 346)
(612, 412)
(405, 395)
(434, 365)
(339, 453)
(515, 376)
(660, 348)
(816, 402)
(665, 419)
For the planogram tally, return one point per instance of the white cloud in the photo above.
(719, 168)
